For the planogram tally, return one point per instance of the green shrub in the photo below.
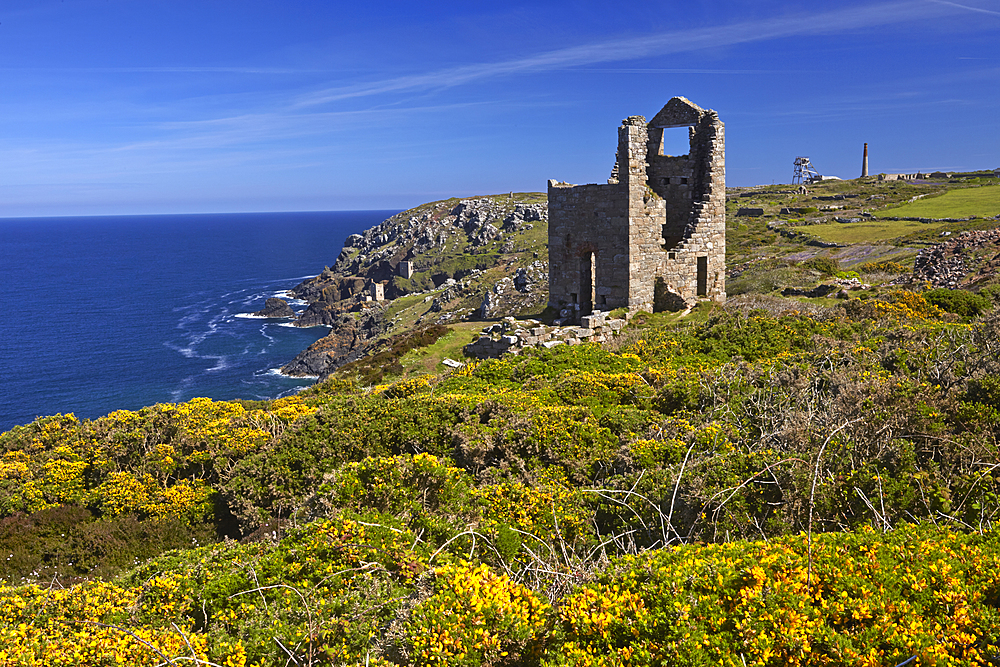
(828, 266)
(764, 282)
(958, 301)
(70, 542)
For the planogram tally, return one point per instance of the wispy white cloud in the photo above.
(971, 9)
(631, 48)
(672, 70)
(209, 145)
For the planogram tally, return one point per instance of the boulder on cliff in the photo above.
(275, 307)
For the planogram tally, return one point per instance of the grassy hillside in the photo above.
(873, 231)
(982, 202)
(778, 239)
(461, 252)
(739, 486)
(809, 479)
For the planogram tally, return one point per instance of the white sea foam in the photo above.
(251, 316)
(220, 363)
(277, 371)
(176, 394)
(312, 326)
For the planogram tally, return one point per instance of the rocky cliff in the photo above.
(484, 257)
(349, 339)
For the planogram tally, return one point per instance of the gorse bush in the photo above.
(759, 488)
(333, 594)
(849, 599)
(886, 266)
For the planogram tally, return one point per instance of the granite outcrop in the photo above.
(275, 307)
(481, 257)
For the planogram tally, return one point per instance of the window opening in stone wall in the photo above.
(702, 276)
(672, 238)
(586, 283)
(676, 141)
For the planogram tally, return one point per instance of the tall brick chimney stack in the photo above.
(864, 163)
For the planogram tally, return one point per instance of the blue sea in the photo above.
(106, 313)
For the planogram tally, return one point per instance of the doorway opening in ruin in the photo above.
(587, 283)
(702, 276)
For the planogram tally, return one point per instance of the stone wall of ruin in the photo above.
(588, 219)
(656, 230)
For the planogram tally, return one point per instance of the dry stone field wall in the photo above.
(960, 261)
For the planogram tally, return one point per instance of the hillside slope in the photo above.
(793, 489)
(473, 258)
(799, 480)
(485, 258)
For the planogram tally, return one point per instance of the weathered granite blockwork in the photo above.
(511, 336)
(652, 238)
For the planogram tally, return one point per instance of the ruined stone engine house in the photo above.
(654, 237)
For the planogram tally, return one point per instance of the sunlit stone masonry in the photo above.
(654, 237)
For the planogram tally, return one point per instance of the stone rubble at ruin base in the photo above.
(510, 336)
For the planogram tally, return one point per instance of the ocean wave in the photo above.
(186, 352)
(277, 372)
(221, 362)
(295, 326)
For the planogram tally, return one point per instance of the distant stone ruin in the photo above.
(654, 237)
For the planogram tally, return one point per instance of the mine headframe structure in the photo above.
(804, 171)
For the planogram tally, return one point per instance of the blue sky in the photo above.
(147, 106)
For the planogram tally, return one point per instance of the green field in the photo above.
(983, 202)
(866, 232)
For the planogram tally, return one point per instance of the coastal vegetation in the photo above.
(755, 484)
(785, 480)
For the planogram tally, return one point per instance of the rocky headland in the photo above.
(441, 262)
